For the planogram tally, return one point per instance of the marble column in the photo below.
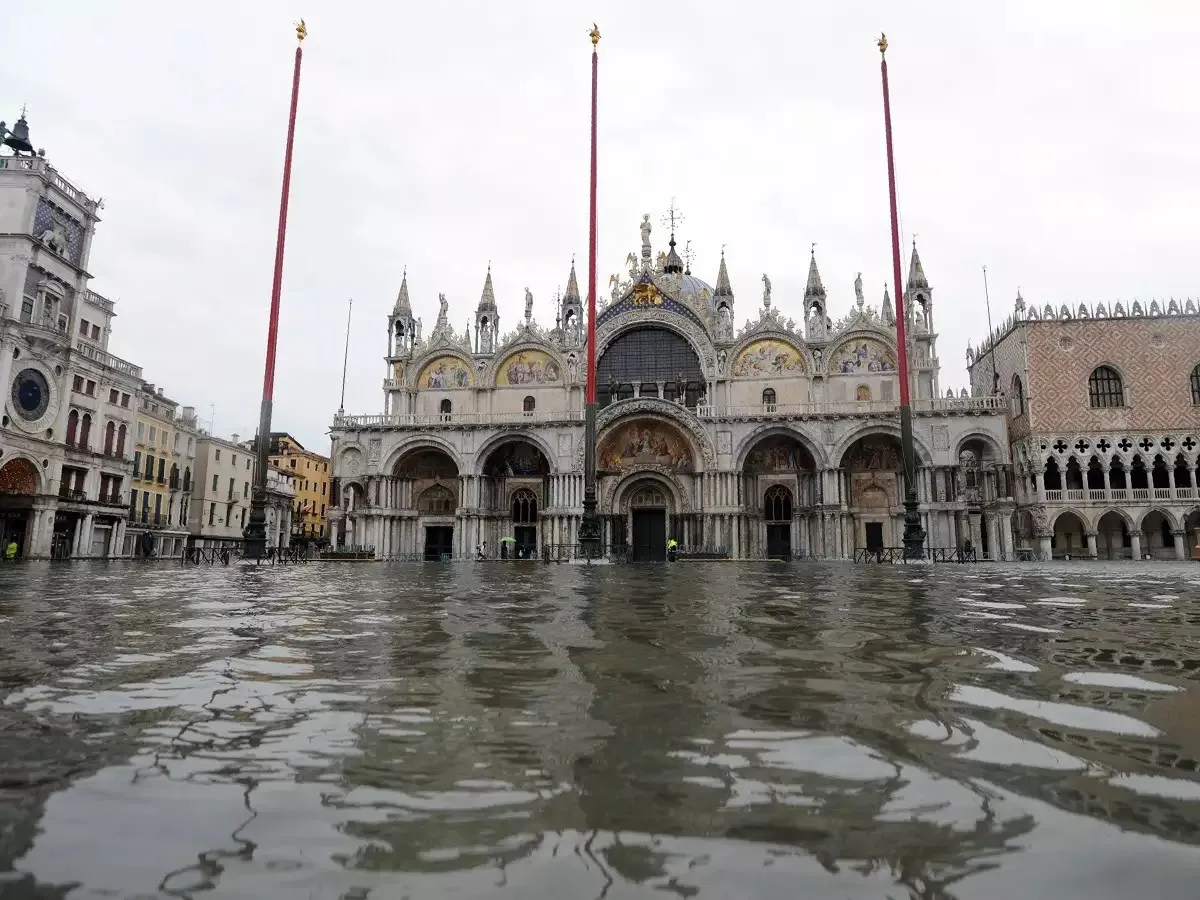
(1092, 550)
(1180, 546)
(1135, 541)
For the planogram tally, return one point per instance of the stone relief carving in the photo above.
(724, 442)
(680, 494)
(564, 445)
(374, 450)
(941, 437)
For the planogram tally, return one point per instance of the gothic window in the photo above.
(1105, 390)
(72, 427)
(121, 432)
(524, 507)
(769, 398)
(528, 404)
(445, 408)
(1018, 396)
(648, 356)
(85, 430)
(436, 501)
(777, 504)
(1196, 386)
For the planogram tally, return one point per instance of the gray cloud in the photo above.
(1052, 142)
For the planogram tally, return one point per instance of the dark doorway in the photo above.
(439, 542)
(649, 535)
(526, 536)
(874, 535)
(779, 541)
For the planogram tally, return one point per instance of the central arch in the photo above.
(427, 484)
(646, 359)
(873, 489)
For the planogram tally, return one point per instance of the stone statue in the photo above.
(645, 228)
(766, 292)
(528, 304)
(484, 334)
(661, 262)
(858, 294)
(721, 357)
(571, 366)
(443, 306)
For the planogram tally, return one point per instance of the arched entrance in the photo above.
(1158, 535)
(513, 492)
(649, 510)
(781, 478)
(19, 481)
(1113, 537)
(427, 484)
(1070, 535)
(875, 491)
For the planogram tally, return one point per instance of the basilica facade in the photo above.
(778, 439)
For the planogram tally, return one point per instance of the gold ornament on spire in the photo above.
(882, 43)
(301, 31)
(594, 34)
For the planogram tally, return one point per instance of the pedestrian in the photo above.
(10, 550)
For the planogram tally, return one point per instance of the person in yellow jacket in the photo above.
(672, 549)
(10, 550)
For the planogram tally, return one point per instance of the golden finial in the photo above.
(301, 31)
(882, 43)
(594, 34)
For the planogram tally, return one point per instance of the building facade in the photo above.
(1104, 418)
(164, 460)
(778, 439)
(311, 485)
(66, 441)
(220, 503)
(281, 500)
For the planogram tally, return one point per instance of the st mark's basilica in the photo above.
(777, 439)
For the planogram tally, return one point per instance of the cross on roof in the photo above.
(673, 217)
(688, 254)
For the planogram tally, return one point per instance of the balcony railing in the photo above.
(115, 363)
(776, 410)
(73, 496)
(1121, 495)
(421, 420)
(95, 299)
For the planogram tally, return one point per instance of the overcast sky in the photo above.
(1054, 142)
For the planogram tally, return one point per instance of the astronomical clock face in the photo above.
(32, 400)
(30, 395)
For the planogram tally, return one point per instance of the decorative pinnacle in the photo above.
(594, 34)
(882, 44)
(301, 31)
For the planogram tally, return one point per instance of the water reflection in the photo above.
(708, 730)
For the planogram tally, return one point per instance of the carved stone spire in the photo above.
(723, 288)
(570, 311)
(487, 299)
(403, 305)
(814, 290)
(572, 294)
(916, 272)
(889, 314)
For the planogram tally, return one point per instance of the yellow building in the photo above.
(164, 460)
(311, 472)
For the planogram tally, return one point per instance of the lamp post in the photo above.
(255, 533)
(914, 534)
(591, 537)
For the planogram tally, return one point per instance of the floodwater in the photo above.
(712, 730)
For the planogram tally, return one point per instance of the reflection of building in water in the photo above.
(780, 439)
(1103, 415)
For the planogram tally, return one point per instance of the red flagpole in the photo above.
(914, 533)
(255, 533)
(591, 532)
(901, 339)
(591, 355)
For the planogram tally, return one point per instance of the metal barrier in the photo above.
(932, 554)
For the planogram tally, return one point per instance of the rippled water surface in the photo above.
(710, 730)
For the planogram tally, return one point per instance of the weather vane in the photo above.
(882, 43)
(301, 31)
(594, 34)
(673, 217)
(688, 254)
